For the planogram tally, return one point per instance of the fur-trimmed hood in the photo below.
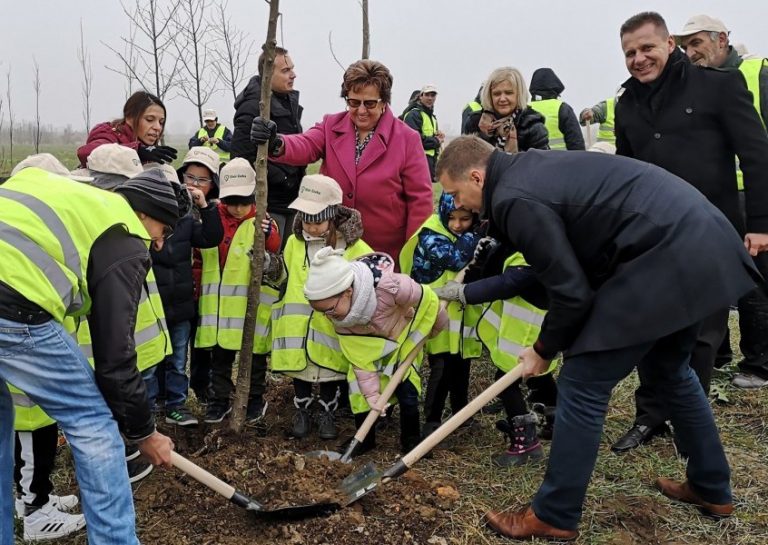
(348, 222)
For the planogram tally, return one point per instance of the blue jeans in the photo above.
(176, 380)
(46, 363)
(584, 389)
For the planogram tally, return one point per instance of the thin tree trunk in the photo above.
(243, 387)
(366, 31)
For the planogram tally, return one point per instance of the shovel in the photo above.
(249, 504)
(368, 478)
(375, 412)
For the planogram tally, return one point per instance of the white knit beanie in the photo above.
(329, 275)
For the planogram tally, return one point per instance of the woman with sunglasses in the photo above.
(377, 160)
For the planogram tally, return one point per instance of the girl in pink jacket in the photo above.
(366, 298)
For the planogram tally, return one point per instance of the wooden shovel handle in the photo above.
(202, 476)
(450, 425)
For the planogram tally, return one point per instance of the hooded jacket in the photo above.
(283, 180)
(546, 85)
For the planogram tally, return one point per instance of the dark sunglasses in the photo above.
(355, 103)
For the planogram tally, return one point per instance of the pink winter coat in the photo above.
(106, 133)
(390, 187)
(397, 296)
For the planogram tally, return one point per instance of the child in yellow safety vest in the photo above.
(434, 255)
(304, 344)
(379, 316)
(224, 293)
(511, 323)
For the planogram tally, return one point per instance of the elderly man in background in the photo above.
(213, 135)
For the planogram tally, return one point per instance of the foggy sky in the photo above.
(452, 43)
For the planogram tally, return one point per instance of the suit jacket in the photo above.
(390, 187)
(692, 121)
(627, 252)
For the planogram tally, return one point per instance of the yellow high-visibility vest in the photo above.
(223, 155)
(750, 68)
(550, 109)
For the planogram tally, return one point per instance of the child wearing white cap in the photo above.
(226, 276)
(379, 316)
(303, 342)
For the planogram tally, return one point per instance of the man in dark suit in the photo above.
(624, 250)
(691, 121)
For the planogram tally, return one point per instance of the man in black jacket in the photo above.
(421, 118)
(283, 180)
(691, 121)
(562, 125)
(624, 250)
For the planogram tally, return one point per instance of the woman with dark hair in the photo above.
(506, 121)
(140, 128)
(377, 159)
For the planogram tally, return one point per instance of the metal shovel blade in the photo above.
(333, 456)
(360, 483)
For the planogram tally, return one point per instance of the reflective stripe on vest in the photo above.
(219, 133)
(550, 109)
(751, 68)
(606, 132)
(151, 336)
(294, 341)
(224, 297)
(384, 355)
(428, 127)
(507, 327)
(460, 337)
(48, 227)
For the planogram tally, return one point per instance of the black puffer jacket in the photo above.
(173, 264)
(546, 85)
(531, 132)
(285, 111)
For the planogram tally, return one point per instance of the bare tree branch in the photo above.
(37, 86)
(85, 66)
(232, 51)
(333, 54)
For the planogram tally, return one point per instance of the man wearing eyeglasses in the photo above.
(422, 120)
(283, 180)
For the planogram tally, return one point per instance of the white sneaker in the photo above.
(62, 503)
(50, 523)
(747, 381)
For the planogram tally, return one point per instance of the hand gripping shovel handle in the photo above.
(214, 483)
(389, 390)
(450, 425)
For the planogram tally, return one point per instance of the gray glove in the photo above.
(451, 291)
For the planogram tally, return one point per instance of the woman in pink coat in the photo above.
(377, 159)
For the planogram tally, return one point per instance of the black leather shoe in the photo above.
(636, 436)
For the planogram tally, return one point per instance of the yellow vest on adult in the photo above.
(219, 133)
(428, 128)
(460, 336)
(606, 132)
(550, 109)
(750, 68)
(224, 297)
(300, 334)
(507, 327)
(48, 225)
(383, 355)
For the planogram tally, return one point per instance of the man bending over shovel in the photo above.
(625, 251)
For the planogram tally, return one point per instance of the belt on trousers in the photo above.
(24, 316)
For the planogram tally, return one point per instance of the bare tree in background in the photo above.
(37, 86)
(153, 65)
(366, 30)
(232, 51)
(10, 113)
(195, 46)
(85, 65)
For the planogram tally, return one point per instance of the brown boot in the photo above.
(526, 525)
(683, 492)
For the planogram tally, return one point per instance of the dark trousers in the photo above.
(448, 374)
(199, 365)
(410, 429)
(651, 409)
(585, 384)
(221, 376)
(541, 389)
(328, 390)
(34, 460)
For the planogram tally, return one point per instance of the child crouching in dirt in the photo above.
(224, 293)
(304, 345)
(433, 256)
(379, 316)
(509, 324)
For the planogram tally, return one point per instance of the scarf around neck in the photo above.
(363, 297)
